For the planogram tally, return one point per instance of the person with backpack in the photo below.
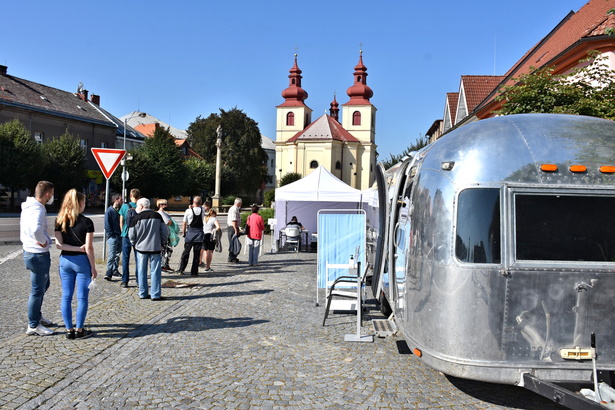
(192, 229)
(128, 211)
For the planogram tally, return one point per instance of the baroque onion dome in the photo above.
(294, 94)
(360, 93)
(334, 111)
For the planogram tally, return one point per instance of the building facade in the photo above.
(346, 149)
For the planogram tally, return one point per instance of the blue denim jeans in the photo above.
(254, 247)
(38, 264)
(113, 255)
(126, 249)
(75, 270)
(155, 272)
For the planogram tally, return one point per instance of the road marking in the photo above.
(10, 256)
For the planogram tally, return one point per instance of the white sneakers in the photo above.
(40, 330)
(45, 322)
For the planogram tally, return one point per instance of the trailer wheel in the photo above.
(385, 308)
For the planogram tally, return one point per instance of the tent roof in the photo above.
(320, 185)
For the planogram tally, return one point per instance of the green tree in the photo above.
(19, 154)
(588, 90)
(200, 177)
(64, 161)
(394, 159)
(157, 168)
(290, 178)
(243, 159)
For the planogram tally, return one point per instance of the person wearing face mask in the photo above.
(36, 244)
(113, 233)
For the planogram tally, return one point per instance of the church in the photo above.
(346, 149)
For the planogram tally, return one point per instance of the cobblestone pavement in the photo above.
(241, 337)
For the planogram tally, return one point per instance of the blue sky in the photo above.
(178, 60)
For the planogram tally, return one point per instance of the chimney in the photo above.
(96, 99)
(85, 94)
(3, 69)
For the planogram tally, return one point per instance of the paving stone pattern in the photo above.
(239, 338)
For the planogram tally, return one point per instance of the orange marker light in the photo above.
(578, 168)
(417, 352)
(607, 169)
(548, 167)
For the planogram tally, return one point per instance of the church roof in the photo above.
(324, 128)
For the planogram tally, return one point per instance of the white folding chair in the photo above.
(293, 237)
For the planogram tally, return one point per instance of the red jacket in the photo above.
(257, 226)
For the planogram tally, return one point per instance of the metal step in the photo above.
(384, 327)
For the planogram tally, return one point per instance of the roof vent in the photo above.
(44, 98)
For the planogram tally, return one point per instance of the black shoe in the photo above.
(160, 298)
(145, 297)
(108, 278)
(194, 274)
(201, 265)
(116, 273)
(123, 285)
(181, 272)
(70, 334)
(85, 333)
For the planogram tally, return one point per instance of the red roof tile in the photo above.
(478, 87)
(324, 128)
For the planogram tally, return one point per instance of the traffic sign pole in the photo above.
(108, 159)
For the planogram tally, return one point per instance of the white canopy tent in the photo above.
(305, 197)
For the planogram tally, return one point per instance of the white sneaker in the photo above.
(45, 322)
(40, 330)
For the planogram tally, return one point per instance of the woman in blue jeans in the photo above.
(74, 237)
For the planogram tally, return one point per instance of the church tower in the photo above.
(359, 114)
(359, 118)
(293, 115)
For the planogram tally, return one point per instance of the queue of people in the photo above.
(133, 225)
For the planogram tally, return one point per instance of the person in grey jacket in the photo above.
(148, 232)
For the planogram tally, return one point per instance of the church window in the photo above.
(314, 164)
(338, 165)
(290, 118)
(356, 118)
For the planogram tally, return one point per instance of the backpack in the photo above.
(130, 214)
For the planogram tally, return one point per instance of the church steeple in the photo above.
(360, 93)
(334, 111)
(294, 95)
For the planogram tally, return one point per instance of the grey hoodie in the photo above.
(33, 226)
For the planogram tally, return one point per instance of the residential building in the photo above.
(562, 49)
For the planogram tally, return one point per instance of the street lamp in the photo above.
(127, 157)
(216, 198)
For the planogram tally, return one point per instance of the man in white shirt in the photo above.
(233, 222)
(36, 244)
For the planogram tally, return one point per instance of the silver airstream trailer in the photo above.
(499, 248)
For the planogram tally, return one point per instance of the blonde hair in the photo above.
(69, 211)
(211, 213)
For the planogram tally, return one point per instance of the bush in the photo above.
(229, 200)
(265, 213)
(269, 198)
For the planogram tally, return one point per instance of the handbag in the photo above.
(246, 229)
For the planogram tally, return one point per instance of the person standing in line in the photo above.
(206, 208)
(148, 233)
(125, 214)
(211, 227)
(36, 244)
(192, 230)
(233, 223)
(74, 238)
(167, 248)
(113, 231)
(255, 235)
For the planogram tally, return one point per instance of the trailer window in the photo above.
(478, 226)
(565, 228)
